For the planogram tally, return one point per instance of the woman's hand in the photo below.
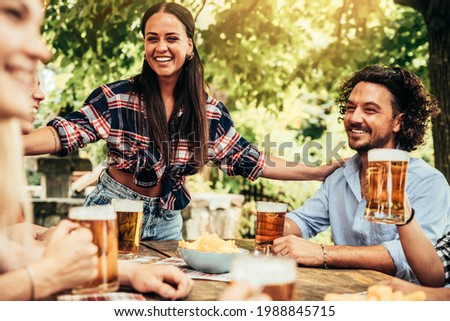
(326, 170)
(70, 259)
(165, 280)
(278, 168)
(432, 294)
(401, 285)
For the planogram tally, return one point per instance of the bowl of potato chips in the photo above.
(209, 253)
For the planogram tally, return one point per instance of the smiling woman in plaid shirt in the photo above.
(161, 126)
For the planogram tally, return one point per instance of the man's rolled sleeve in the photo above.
(313, 216)
(395, 250)
(295, 216)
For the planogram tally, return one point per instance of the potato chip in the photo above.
(210, 243)
(377, 293)
(380, 292)
(415, 296)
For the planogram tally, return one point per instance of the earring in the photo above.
(190, 56)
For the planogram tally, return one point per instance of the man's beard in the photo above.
(379, 142)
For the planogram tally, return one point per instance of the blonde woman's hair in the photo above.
(14, 200)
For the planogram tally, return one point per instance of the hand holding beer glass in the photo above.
(101, 220)
(129, 219)
(269, 224)
(272, 275)
(386, 179)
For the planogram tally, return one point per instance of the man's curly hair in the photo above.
(410, 98)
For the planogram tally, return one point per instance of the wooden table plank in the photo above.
(163, 248)
(311, 285)
(147, 251)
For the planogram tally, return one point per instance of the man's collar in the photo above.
(351, 174)
(353, 165)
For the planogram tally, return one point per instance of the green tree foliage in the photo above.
(274, 63)
(436, 16)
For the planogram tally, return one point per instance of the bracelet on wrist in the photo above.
(31, 276)
(409, 219)
(324, 252)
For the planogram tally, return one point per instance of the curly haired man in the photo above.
(381, 107)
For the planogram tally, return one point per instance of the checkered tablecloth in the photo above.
(108, 296)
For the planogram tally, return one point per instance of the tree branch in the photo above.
(338, 23)
(250, 9)
(200, 10)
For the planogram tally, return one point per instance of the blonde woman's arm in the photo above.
(44, 140)
(16, 285)
(70, 259)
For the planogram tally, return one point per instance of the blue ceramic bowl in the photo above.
(209, 262)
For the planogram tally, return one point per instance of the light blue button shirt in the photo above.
(338, 203)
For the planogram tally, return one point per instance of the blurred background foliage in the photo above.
(276, 65)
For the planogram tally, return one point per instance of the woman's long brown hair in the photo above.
(189, 94)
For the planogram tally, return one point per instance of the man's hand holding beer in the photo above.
(303, 251)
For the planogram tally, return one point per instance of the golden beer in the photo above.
(129, 220)
(386, 179)
(101, 220)
(270, 219)
(269, 226)
(273, 275)
(280, 292)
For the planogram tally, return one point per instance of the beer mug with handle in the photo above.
(386, 184)
(101, 220)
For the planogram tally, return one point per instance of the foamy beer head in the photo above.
(271, 207)
(92, 213)
(274, 275)
(388, 155)
(386, 184)
(101, 220)
(269, 224)
(126, 205)
(129, 220)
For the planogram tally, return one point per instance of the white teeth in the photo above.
(163, 59)
(358, 131)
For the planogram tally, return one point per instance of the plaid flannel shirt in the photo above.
(443, 250)
(110, 113)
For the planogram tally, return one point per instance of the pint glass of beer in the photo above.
(269, 224)
(386, 179)
(101, 220)
(129, 221)
(272, 275)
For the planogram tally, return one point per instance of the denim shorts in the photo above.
(157, 223)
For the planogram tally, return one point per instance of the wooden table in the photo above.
(312, 283)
